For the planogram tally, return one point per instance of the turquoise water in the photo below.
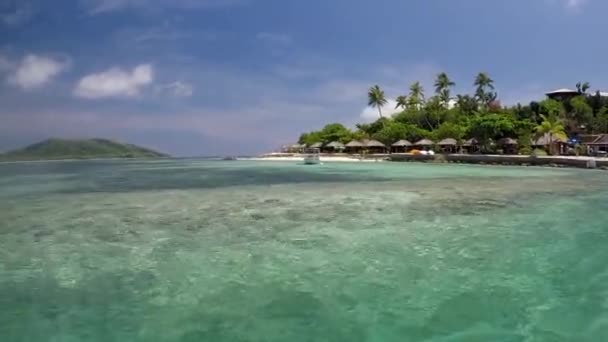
(191, 250)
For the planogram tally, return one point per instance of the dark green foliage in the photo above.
(394, 131)
(479, 115)
(80, 149)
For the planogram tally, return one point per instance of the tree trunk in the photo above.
(380, 111)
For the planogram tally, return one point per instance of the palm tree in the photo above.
(401, 102)
(582, 87)
(376, 98)
(484, 85)
(442, 87)
(416, 95)
(552, 128)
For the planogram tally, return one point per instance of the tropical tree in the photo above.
(551, 127)
(551, 107)
(581, 114)
(442, 87)
(484, 92)
(416, 98)
(582, 87)
(466, 104)
(394, 131)
(401, 102)
(600, 122)
(376, 98)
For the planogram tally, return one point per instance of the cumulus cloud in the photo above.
(178, 89)
(370, 114)
(115, 82)
(36, 71)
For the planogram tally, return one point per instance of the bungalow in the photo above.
(334, 147)
(448, 145)
(598, 146)
(509, 145)
(559, 146)
(401, 146)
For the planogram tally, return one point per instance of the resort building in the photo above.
(566, 94)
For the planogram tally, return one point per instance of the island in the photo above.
(58, 149)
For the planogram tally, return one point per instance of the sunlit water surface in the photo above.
(188, 250)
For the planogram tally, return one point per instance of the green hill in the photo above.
(79, 149)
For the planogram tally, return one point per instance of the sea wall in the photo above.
(557, 161)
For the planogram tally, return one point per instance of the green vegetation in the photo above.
(480, 116)
(79, 149)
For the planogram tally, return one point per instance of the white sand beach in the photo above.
(296, 157)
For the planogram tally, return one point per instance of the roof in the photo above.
(601, 140)
(373, 143)
(507, 141)
(297, 146)
(424, 142)
(589, 138)
(316, 145)
(402, 143)
(562, 91)
(354, 143)
(335, 144)
(448, 142)
(544, 140)
(470, 142)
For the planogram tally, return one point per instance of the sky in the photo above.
(223, 77)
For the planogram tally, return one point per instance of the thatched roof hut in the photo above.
(335, 145)
(544, 141)
(373, 143)
(448, 142)
(507, 141)
(317, 145)
(402, 143)
(471, 142)
(424, 142)
(354, 143)
(297, 146)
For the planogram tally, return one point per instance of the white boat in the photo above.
(312, 156)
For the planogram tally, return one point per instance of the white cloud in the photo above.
(275, 38)
(370, 114)
(575, 4)
(36, 71)
(115, 82)
(178, 89)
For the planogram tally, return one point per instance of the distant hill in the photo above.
(79, 149)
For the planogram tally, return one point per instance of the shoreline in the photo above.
(481, 159)
(333, 159)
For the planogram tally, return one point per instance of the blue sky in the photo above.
(204, 77)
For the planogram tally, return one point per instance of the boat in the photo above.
(312, 156)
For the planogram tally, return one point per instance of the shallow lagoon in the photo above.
(190, 250)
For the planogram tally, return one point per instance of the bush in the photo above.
(539, 152)
(525, 150)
